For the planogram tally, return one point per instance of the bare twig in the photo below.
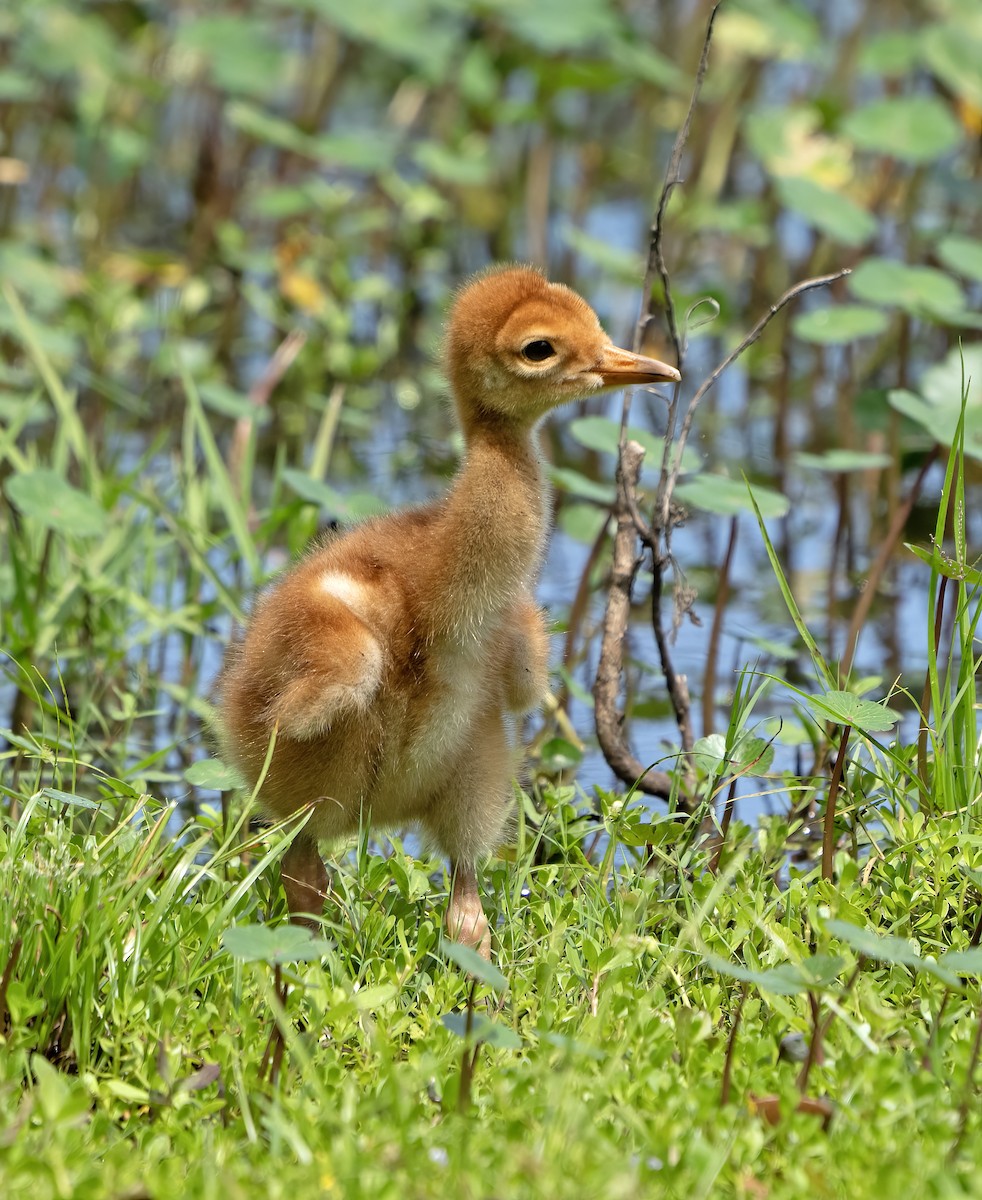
(259, 395)
(610, 668)
(672, 457)
(656, 255)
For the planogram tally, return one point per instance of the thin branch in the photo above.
(673, 177)
(672, 456)
(610, 668)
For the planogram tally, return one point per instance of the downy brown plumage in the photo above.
(390, 659)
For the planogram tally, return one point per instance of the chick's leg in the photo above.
(467, 821)
(526, 665)
(304, 879)
(465, 920)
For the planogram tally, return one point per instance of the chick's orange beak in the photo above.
(621, 368)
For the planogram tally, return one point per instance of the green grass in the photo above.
(134, 1042)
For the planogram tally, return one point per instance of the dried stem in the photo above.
(610, 668)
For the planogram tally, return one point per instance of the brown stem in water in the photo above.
(259, 395)
(880, 563)
(712, 650)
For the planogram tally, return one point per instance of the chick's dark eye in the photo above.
(538, 351)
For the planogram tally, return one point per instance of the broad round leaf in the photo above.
(913, 128)
(839, 323)
(834, 214)
(847, 709)
(953, 50)
(840, 461)
(48, 498)
(921, 291)
(963, 255)
(263, 943)
(728, 497)
(603, 433)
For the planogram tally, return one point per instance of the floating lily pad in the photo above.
(921, 291)
(840, 323)
(913, 128)
(603, 433)
(834, 214)
(720, 494)
(938, 408)
(840, 461)
(963, 255)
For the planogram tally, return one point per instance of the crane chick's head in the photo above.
(518, 346)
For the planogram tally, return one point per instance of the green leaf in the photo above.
(264, 943)
(483, 1029)
(558, 754)
(577, 484)
(848, 709)
(921, 291)
(964, 962)
(953, 50)
(61, 799)
(832, 213)
(244, 55)
(46, 497)
(473, 964)
(603, 433)
(939, 409)
(212, 773)
(888, 949)
(728, 497)
(944, 565)
(842, 461)
(839, 323)
(748, 753)
(354, 506)
(562, 25)
(916, 129)
(787, 979)
(891, 54)
(962, 255)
